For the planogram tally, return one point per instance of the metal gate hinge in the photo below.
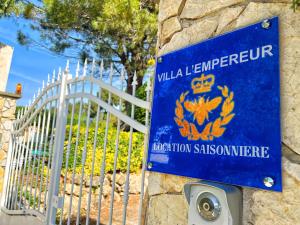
(58, 202)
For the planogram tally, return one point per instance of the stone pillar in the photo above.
(7, 116)
(185, 22)
(6, 53)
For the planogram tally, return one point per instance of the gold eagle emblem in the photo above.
(201, 108)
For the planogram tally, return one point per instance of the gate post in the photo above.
(7, 172)
(58, 149)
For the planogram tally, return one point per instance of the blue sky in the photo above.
(30, 65)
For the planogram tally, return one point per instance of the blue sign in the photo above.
(216, 109)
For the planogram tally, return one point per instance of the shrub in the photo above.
(136, 154)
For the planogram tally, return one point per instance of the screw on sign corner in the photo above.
(150, 165)
(269, 182)
(266, 24)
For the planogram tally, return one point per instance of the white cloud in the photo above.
(21, 75)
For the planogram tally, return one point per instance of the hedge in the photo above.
(136, 154)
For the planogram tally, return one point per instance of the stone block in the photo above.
(1, 103)
(169, 27)
(106, 191)
(169, 8)
(167, 209)
(155, 186)
(273, 208)
(9, 108)
(117, 197)
(120, 178)
(6, 124)
(119, 188)
(293, 169)
(95, 181)
(194, 9)
(4, 147)
(199, 31)
(134, 184)
(76, 189)
(227, 16)
(77, 179)
(289, 20)
(164, 183)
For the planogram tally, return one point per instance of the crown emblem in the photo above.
(203, 83)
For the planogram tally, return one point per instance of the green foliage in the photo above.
(83, 117)
(19, 109)
(136, 155)
(9, 7)
(104, 97)
(29, 197)
(139, 112)
(119, 31)
(22, 38)
(28, 10)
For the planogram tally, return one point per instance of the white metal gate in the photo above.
(56, 139)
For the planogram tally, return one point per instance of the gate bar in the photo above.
(59, 148)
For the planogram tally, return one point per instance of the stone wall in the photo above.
(184, 22)
(6, 53)
(7, 115)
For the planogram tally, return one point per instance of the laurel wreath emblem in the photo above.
(211, 130)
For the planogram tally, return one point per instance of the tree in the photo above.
(9, 7)
(119, 31)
